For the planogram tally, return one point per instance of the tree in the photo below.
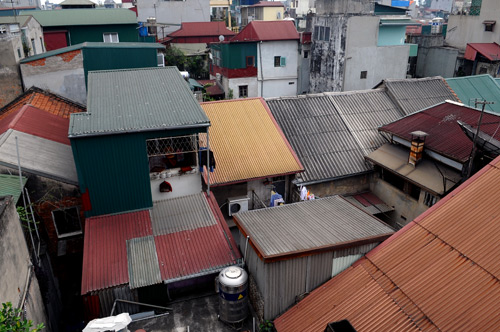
(175, 57)
(11, 321)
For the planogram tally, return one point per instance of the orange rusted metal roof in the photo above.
(247, 142)
(45, 101)
(439, 273)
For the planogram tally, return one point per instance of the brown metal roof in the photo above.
(439, 273)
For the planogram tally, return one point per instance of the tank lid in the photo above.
(233, 272)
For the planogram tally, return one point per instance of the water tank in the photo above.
(437, 25)
(233, 294)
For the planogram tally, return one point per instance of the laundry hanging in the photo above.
(202, 156)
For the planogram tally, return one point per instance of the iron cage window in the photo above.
(172, 152)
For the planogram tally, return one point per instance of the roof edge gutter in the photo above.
(309, 183)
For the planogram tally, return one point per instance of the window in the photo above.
(216, 57)
(306, 54)
(250, 61)
(33, 46)
(322, 33)
(172, 152)
(160, 58)
(14, 28)
(279, 61)
(483, 70)
(363, 74)
(401, 184)
(41, 44)
(67, 222)
(19, 53)
(110, 37)
(243, 91)
(429, 199)
(3, 29)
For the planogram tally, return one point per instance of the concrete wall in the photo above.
(328, 7)
(277, 81)
(273, 13)
(405, 207)
(173, 12)
(234, 83)
(328, 57)
(182, 185)
(362, 54)
(445, 5)
(16, 269)
(10, 78)
(304, 69)
(349, 185)
(492, 69)
(34, 32)
(436, 61)
(62, 74)
(470, 29)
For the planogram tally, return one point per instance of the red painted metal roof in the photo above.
(105, 248)
(445, 136)
(439, 273)
(181, 255)
(34, 121)
(267, 31)
(490, 51)
(198, 29)
(214, 89)
(268, 4)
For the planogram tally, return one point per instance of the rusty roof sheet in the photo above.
(122, 249)
(439, 273)
(309, 225)
(45, 101)
(415, 94)
(247, 142)
(445, 136)
(267, 31)
(490, 51)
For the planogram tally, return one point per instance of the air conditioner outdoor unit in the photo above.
(237, 204)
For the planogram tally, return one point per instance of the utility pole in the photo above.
(473, 153)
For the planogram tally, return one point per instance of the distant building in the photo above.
(262, 11)
(77, 4)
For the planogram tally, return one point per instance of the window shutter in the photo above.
(283, 61)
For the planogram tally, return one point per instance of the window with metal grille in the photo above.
(67, 222)
(279, 61)
(243, 91)
(322, 33)
(172, 152)
(110, 37)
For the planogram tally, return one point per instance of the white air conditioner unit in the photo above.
(237, 204)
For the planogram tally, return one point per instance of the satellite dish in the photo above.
(221, 38)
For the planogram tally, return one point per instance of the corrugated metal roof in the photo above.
(439, 273)
(91, 45)
(415, 94)
(331, 133)
(133, 100)
(105, 248)
(197, 29)
(15, 19)
(10, 185)
(268, 4)
(267, 31)
(143, 269)
(364, 112)
(33, 121)
(445, 136)
(43, 100)
(369, 203)
(490, 51)
(307, 226)
(38, 156)
(427, 174)
(71, 17)
(181, 214)
(482, 87)
(247, 142)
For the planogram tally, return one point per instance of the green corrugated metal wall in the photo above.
(234, 54)
(118, 58)
(115, 170)
(93, 33)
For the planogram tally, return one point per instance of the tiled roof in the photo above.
(133, 100)
(481, 87)
(332, 132)
(180, 239)
(267, 31)
(45, 101)
(445, 135)
(71, 17)
(197, 29)
(247, 142)
(304, 227)
(490, 51)
(415, 94)
(439, 273)
(10, 186)
(91, 45)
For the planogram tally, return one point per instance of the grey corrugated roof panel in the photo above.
(91, 45)
(415, 94)
(10, 185)
(181, 214)
(135, 100)
(38, 156)
(21, 19)
(364, 112)
(309, 225)
(142, 259)
(83, 16)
